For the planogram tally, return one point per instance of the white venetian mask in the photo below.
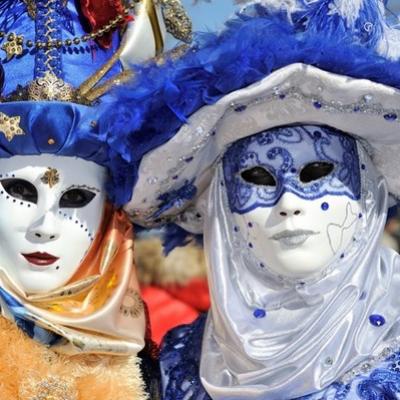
(51, 208)
(294, 194)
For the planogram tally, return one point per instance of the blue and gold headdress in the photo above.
(59, 59)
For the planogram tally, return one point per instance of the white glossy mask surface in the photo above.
(294, 195)
(51, 208)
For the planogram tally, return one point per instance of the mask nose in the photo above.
(289, 206)
(44, 229)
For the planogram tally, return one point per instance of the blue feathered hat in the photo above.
(59, 58)
(327, 62)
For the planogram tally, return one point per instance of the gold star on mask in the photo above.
(50, 177)
(9, 126)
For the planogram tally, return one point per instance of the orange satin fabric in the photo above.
(110, 253)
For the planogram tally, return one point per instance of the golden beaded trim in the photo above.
(15, 41)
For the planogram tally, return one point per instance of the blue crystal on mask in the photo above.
(325, 206)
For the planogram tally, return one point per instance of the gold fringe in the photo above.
(92, 81)
(118, 79)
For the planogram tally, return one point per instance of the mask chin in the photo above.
(57, 205)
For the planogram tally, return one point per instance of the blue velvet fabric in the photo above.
(77, 62)
(180, 358)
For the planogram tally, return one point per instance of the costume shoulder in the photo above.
(180, 361)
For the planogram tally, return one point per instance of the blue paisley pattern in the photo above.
(180, 360)
(283, 152)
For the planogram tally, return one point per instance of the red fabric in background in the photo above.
(99, 13)
(175, 305)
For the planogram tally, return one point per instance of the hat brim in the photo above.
(295, 94)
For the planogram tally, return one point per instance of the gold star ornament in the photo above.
(10, 127)
(13, 46)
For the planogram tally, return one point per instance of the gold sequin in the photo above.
(177, 21)
(51, 177)
(10, 127)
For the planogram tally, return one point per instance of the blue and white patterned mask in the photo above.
(291, 156)
(294, 194)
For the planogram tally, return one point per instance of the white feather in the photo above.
(389, 46)
(347, 9)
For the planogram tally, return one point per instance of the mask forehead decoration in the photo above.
(51, 177)
(285, 153)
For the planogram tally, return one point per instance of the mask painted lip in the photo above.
(289, 234)
(292, 239)
(41, 259)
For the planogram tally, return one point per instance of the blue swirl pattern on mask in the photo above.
(284, 152)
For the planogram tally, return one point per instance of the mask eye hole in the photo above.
(258, 176)
(316, 170)
(20, 189)
(76, 198)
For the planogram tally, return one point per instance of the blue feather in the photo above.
(150, 110)
(10, 12)
(174, 236)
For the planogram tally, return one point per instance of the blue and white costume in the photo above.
(257, 95)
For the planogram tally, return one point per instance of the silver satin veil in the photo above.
(314, 331)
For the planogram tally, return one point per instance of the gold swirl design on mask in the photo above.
(10, 127)
(49, 388)
(51, 177)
